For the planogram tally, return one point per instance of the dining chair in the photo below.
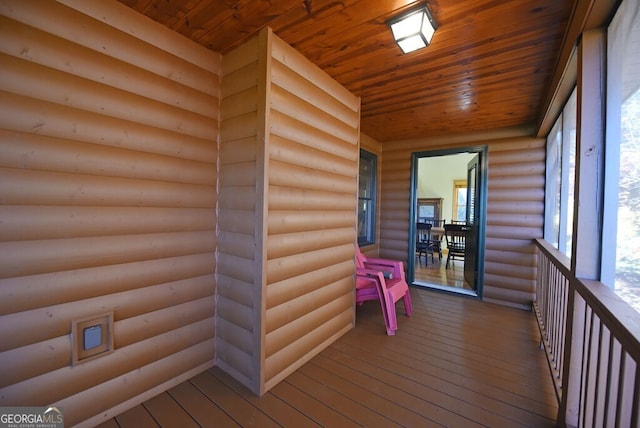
(456, 237)
(383, 280)
(435, 240)
(423, 242)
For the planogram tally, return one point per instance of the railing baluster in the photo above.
(563, 326)
(635, 422)
(609, 384)
(554, 331)
(598, 403)
(620, 401)
(584, 376)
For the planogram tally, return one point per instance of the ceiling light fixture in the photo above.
(414, 29)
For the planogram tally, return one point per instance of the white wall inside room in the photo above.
(436, 177)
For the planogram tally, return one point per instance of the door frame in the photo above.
(482, 151)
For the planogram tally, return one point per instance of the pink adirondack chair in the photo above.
(383, 280)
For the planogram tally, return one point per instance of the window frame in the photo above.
(369, 217)
(561, 145)
(457, 185)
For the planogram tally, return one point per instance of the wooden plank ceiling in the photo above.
(489, 65)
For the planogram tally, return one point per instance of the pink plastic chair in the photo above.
(383, 280)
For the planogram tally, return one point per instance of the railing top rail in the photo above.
(561, 261)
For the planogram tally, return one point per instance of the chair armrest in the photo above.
(372, 274)
(391, 268)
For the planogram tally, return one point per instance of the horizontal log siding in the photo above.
(515, 207)
(108, 151)
(238, 276)
(515, 216)
(312, 193)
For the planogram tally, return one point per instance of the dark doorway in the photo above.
(448, 217)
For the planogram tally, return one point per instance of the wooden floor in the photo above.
(434, 271)
(455, 362)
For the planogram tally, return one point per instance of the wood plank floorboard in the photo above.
(167, 412)
(137, 416)
(204, 411)
(456, 362)
(310, 403)
(436, 272)
(280, 411)
(236, 407)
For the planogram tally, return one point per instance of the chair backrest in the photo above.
(360, 258)
(424, 226)
(455, 235)
(423, 231)
(437, 223)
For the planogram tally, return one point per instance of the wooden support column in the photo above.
(587, 223)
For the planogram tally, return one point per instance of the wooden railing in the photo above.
(592, 341)
(551, 307)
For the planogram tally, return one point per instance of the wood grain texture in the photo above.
(52, 51)
(108, 161)
(28, 115)
(49, 154)
(239, 216)
(36, 291)
(312, 161)
(488, 66)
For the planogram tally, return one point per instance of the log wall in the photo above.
(515, 207)
(108, 151)
(239, 251)
(312, 170)
(289, 154)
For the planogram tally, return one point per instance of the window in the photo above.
(367, 198)
(459, 200)
(621, 225)
(429, 210)
(560, 177)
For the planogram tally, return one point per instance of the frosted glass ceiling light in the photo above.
(413, 30)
